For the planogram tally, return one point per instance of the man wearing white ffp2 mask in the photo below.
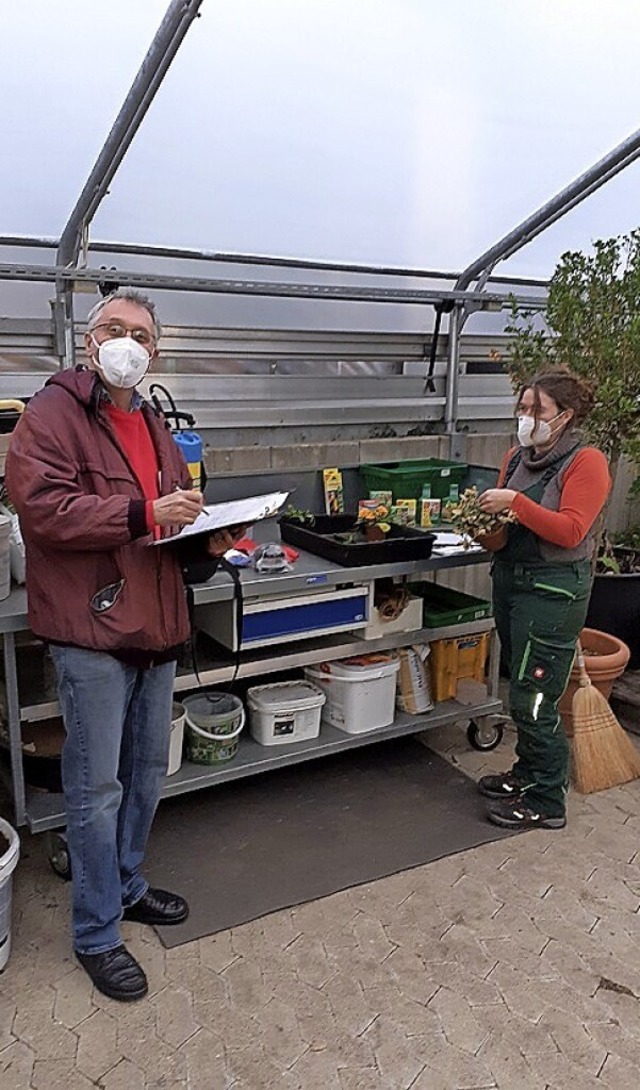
(122, 361)
(95, 477)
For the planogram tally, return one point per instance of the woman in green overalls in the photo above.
(556, 486)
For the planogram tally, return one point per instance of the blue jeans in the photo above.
(114, 760)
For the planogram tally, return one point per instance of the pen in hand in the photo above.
(179, 508)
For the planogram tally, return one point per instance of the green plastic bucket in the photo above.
(213, 722)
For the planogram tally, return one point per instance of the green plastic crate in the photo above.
(444, 606)
(480, 477)
(406, 479)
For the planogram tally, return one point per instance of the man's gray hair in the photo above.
(132, 296)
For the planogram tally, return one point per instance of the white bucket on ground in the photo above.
(286, 711)
(177, 738)
(8, 863)
(5, 556)
(361, 692)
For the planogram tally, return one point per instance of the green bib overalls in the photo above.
(540, 609)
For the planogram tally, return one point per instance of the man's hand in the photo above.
(495, 500)
(222, 540)
(179, 508)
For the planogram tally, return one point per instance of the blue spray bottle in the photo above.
(189, 442)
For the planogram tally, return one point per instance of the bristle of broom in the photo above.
(603, 754)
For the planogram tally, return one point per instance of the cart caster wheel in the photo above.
(58, 855)
(485, 735)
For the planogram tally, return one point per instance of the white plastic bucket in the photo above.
(5, 556)
(360, 692)
(178, 716)
(286, 711)
(213, 723)
(8, 863)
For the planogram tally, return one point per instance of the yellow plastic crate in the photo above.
(451, 660)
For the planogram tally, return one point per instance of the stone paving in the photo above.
(514, 966)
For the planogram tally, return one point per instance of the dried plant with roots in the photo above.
(469, 520)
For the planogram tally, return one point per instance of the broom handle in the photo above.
(584, 677)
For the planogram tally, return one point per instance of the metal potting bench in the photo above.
(42, 810)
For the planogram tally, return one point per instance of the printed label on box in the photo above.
(383, 496)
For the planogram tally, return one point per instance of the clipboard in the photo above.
(226, 516)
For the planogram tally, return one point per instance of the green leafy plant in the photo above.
(592, 326)
(298, 514)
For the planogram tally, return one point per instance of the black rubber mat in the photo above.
(244, 849)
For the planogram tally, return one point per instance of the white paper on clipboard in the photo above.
(449, 544)
(222, 516)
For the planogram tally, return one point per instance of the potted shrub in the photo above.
(592, 325)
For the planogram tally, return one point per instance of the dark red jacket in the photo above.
(82, 515)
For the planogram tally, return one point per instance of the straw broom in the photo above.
(603, 754)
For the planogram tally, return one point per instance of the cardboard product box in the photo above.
(333, 491)
(430, 512)
(405, 511)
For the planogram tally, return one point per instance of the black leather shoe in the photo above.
(116, 974)
(157, 906)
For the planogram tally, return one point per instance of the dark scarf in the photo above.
(570, 438)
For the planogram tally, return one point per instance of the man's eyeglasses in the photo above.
(113, 330)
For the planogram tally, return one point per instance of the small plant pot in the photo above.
(605, 659)
(373, 533)
(494, 540)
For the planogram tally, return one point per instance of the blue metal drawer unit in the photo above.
(279, 620)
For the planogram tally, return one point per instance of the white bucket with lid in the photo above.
(286, 711)
(360, 692)
(178, 716)
(5, 556)
(8, 863)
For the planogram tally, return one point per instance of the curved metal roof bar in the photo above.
(583, 186)
(167, 40)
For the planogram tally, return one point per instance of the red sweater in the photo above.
(585, 487)
(133, 433)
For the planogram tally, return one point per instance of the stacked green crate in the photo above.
(406, 480)
(444, 606)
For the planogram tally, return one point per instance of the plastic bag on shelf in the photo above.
(413, 694)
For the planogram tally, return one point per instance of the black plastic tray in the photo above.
(401, 542)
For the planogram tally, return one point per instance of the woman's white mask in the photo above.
(543, 431)
(122, 361)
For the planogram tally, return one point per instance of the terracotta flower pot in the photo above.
(372, 532)
(494, 540)
(605, 659)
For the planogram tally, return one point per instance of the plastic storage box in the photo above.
(361, 692)
(451, 660)
(401, 543)
(407, 479)
(444, 606)
(410, 620)
(287, 711)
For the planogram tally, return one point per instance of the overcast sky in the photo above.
(397, 131)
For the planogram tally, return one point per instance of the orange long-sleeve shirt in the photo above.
(585, 487)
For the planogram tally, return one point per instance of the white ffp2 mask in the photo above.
(543, 431)
(123, 361)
